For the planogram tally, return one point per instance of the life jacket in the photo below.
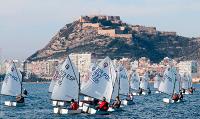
(181, 96)
(103, 106)
(74, 106)
(20, 99)
(175, 97)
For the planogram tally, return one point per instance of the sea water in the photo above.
(38, 105)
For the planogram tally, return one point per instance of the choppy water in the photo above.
(38, 105)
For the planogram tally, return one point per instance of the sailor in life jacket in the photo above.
(74, 105)
(25, 92)
(103, 105)
(191, 90)
(20, 99)
(181, 96)
(117, 103)
(130, 97)
(175, 97)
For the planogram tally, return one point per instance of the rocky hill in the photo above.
(109, 36)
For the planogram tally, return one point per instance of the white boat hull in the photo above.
(59, 110)
(144, 93)
(127, 102)
(134, 93)
(88, 98)
(85, 107)
(167, 100)
(58, 103)
(13, 104)
(157, 92)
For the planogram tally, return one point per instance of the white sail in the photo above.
(156, 81)
(168, 82)
(135, 81)
(108, 65)
(145, 81)
(100, 83)
(177, 80)
(12, 81)
(184, 82)
(67, 87)
(116, 88)
(189, 80)
(86, 78)
(54, 80)
(123, 78)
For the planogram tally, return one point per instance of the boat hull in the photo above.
(134, 93)
(127, 102)
(13, 104)
(58, 103)
(157, 92)
(59, 110)
(168, 101)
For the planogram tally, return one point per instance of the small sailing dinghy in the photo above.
(12, 86)
(135, 83)
(144, 84)
(100, 84)
(66, 88)
(169, 84)
(157, 83)
(186, 83)
(124, 88)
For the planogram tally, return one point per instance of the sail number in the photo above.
(99, 73)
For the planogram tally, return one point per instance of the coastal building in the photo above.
(144, 29)
(190, 67)
(41, 69)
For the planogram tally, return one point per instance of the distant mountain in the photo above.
(109, 36)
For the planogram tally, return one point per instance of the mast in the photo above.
(79, 87)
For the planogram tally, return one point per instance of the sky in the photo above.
(28, 25)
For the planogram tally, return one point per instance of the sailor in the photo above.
(191, 90)
(181, 96)
(175, 97)
(117, 103)
(130, 97)
(95, 102)
(103, 106)
(25, 92)
(149, 91)
(183, 90)
(20, 99)
(140, 91)
(74, 105)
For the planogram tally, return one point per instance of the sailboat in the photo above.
(124, 88)
(169, 84)
(12, 85)
(100, 84)
(186, 83)
(157, 83)
(135, 83)
(54, 80)
(144, 83)
(66, 88)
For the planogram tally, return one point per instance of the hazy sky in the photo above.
(28, 25)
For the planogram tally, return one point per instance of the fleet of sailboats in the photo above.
(103, 80)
